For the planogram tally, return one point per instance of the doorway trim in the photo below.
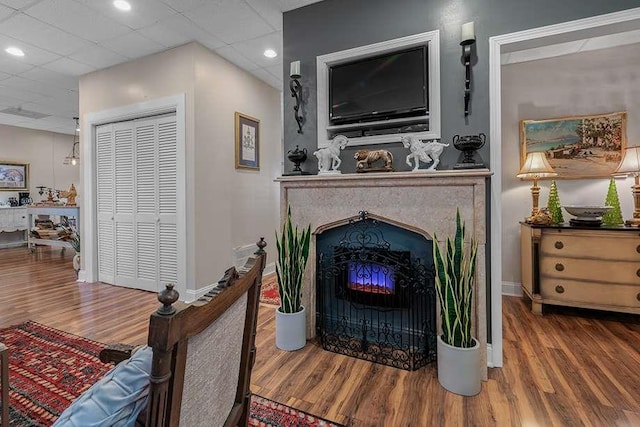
(169, 104)
(496, 43)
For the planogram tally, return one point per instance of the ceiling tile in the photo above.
(4, 76)
(142, 14)
(5, 12)
(254, 49)
(32, 55)
(229, 20)
(19, 4)
(32, 31)
(19, 93)
(232, 55)
(276, 71)
(52, 78)
(11, 65)
(269, 11)
(98, 57)
(177, 30)
(133, 45)
(43, 89)
(286, 5)
(267, 77)
(184, 5)
(69, 66)
(78, 19)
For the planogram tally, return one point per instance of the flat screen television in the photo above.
(384, 87)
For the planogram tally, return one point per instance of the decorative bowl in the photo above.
(587, 213)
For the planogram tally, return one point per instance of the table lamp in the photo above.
(535, 166)
(630, 165)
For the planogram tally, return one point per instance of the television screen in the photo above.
(379, 88)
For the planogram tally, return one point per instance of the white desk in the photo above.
(68, 211)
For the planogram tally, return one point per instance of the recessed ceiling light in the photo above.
(122, 5)
(15, 51)
(270, 53)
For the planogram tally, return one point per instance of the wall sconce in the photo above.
(296, 92)
(467, 39)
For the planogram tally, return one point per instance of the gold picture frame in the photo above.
(14, 176)
(247, 142)
(577, 147)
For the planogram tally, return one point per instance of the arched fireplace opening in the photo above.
(375, 292)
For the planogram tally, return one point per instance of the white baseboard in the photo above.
(269, 269)
(512, 289)
(82, 276)
(489, 355)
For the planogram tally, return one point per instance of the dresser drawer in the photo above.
(591, 270)
(624, 246)
(603, 294)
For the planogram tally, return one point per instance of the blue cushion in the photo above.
(117, 399)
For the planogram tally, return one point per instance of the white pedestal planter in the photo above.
(459, 368)
(291, 330)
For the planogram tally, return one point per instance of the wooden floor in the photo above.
(568, 368)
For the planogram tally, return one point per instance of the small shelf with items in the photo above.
(13, 220)
(52, 225)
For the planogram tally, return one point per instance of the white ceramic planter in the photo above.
(291, 330)
(459, 368)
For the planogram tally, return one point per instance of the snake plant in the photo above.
(293, 252)
(455, 275)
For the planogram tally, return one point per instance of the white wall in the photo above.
(226, 208)
(45, 152)
(234, 207)
(583, 83)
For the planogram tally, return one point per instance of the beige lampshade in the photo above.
(630, 163)
(536, 166)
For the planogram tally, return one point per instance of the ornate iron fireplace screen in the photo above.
(375, 298)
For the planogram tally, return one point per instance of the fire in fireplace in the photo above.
(376, 294)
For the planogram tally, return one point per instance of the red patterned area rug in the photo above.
(267, 413)
(49, 368)
(269, 292)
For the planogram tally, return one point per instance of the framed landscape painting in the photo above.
(577, 147)
(14, 176)
(247, 142)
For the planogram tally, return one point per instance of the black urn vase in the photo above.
(468, 144)
(297, 156)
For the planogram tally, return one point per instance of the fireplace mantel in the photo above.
(422, 200)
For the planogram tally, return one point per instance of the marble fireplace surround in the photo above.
(425, 201)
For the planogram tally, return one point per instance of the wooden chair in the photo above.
(203, 352)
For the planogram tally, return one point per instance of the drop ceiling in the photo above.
(64, 39)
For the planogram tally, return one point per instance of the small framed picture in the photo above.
(14, 176)
(247, 142)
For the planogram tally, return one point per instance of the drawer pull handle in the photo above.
(638, 249)
(560, 245)
(638, 272)
(560, 267)
(559, 289)
(638, 296)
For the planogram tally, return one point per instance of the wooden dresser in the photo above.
(581, 267)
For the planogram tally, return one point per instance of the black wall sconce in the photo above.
(467, 40)
(296, 92)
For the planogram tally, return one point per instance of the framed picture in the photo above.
(14, 176)
(577, 147)
(247, 142)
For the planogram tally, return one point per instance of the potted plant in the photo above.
(457, 351)
(293, 252)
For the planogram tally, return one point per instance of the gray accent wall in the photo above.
(334, 25)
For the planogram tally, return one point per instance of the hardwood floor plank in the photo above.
(568, 367)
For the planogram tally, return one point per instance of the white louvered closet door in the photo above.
(144, 239)
(104, 200)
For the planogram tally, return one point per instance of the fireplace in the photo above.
(423, 202)
(375, 294)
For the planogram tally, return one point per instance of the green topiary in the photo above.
(553, 205)
(614, 216)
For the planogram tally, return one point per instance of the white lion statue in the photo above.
(329, 157)
(425, 152)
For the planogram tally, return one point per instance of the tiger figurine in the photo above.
(366, 157)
